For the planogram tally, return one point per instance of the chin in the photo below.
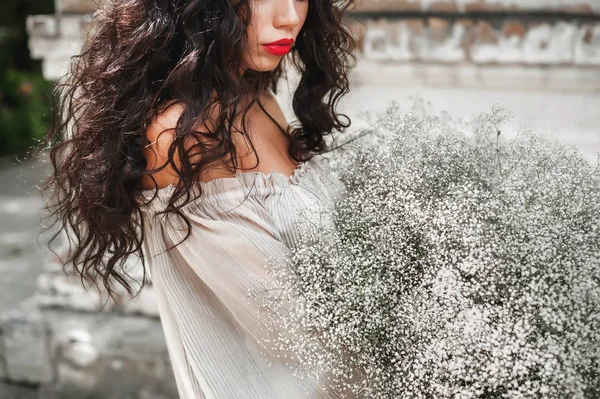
(265, 64)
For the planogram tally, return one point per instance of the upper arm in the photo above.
(160, 133)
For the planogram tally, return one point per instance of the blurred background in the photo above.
(540, 59)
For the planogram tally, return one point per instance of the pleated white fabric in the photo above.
(211, 325)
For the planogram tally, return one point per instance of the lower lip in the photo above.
(278, 49)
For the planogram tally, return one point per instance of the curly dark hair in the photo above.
(138, 56)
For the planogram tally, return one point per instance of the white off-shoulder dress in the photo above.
(211, 324)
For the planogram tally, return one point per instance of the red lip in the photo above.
(280, 47)
(280, 42)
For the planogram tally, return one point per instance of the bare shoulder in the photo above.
(160, 133)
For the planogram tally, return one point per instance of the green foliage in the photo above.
(25, 98)
(13, 12)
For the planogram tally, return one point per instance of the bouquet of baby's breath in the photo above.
(463, 264)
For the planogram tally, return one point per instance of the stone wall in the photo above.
(422, 6)
(55, 39)
(481, 6)
(69, 341)
(482, 32)
(48, 353)
(545, 33)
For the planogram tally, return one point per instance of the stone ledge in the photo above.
(11, 391)
(51, 26)
(25, 356)
(481, 77)
(77, 6)
(58, 290)
(68, 355)
(580, 7)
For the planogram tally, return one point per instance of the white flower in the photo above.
(459, 267)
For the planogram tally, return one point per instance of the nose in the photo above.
(287, 15)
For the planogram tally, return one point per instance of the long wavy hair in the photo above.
(141, 54)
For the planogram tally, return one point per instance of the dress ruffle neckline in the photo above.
(242, 183)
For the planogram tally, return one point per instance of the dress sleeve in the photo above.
(214, 328)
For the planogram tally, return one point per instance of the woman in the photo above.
(167, 103)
